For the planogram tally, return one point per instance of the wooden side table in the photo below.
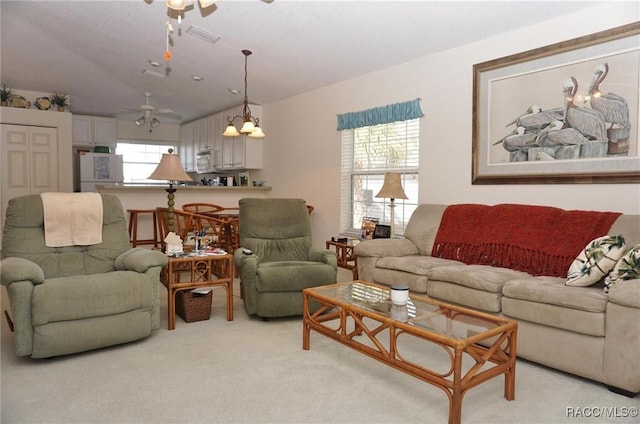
(204, 271)
(346, 257)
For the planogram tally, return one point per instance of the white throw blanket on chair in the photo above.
(72, 219)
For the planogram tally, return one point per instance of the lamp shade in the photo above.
(170, 169)
(392, 187)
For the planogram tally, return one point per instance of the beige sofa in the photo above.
(579, 330)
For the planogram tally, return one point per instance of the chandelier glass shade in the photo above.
(250, 124)
(180, 5)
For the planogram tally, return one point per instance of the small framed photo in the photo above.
(382, 231)
(368, 227)
(244, 179)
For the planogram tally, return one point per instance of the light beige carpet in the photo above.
(251, 371)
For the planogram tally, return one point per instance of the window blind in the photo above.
(139, 160)
(367, 153)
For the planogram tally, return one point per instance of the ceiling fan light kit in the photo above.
(250, 124)
(149, 114)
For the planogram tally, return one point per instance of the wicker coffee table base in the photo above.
(345, 322)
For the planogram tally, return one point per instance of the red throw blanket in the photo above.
(539, 240)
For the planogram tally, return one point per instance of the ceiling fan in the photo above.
(150, 113)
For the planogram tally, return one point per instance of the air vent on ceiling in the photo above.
(153, 74)
(203, 34)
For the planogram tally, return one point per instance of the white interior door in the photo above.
(29, 162)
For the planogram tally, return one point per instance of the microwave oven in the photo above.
(205, 163)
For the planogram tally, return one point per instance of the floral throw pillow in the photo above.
(627, 268)
(595, 261)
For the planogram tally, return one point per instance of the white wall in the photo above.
(302, 148)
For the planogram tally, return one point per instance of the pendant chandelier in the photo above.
(250, 124)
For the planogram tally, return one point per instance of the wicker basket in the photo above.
(193, 306)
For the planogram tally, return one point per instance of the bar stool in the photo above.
(133, 227)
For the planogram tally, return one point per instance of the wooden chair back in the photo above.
(202, 208)
(214, 229)
(183, 222)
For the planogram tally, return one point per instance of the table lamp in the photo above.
(170, 169)
(392, 189)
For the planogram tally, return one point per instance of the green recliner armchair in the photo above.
(71, 299)
(282, 261)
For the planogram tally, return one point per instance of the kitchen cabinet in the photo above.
(93, 131)
(185, 149)
(242, 152)
(205, 129)
(195, 136)
(219, 124)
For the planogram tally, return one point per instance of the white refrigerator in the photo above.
(99, 168)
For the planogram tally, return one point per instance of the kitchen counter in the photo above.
(153, 196)
(136, 187)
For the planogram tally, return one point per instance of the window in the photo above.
(140, 160)
(367, 153)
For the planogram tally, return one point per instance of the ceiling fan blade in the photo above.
(149, 110)
(170, 115)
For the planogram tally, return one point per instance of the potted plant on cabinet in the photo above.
(5, 93)
(60, 100)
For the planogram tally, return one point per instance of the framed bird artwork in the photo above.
(563, 113)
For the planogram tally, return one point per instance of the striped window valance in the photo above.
(380, 115)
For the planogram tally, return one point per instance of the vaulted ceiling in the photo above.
(96, 51)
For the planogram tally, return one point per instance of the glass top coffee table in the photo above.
(359, 314)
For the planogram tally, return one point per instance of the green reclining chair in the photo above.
(282, 261)
(71, 299)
